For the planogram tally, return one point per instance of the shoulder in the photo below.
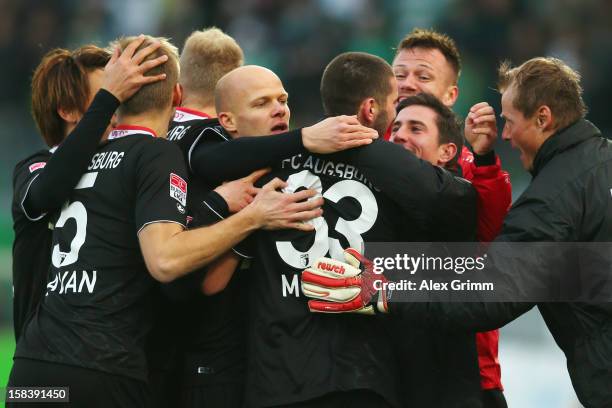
(41, 156)
(32, 163)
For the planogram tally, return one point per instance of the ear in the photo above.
(177, 95)
(227, 120)
(544, 118)
(451, 95)
(368, 110)
(446, 153)
(69, 116)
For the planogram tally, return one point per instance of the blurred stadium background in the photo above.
(297, 39)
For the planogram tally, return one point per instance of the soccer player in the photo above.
(428, 61)
(214, 364)
(64, 84)
(297, 358)
(437, 368)
(122, 229)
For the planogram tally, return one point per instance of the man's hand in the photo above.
(240, 193)
(272, 209)
(335, 134)
(351, 287)
(481, 128)
(124, 73)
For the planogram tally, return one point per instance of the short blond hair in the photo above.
(545, 81)
(208, 55)
(157, 95)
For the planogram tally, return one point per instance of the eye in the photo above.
(395, 128)
(400, 76)
(424, 77)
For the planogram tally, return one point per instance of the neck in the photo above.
(156, 121)
(191, 102)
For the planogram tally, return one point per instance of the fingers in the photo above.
(356, 143)
(147, 65)
(484, 118)
(349, 119)
(305, 216)
(253, 191)
(487, 130)
(357, 129)
(143, 80)
(256, 175)
(114, 57)
(129, 51)
(300, 195)
(478, 106)
(302, 226)
(306, 206)
(274, 184)
(142, 54)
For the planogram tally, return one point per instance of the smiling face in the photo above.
(420, 70)
(256, 103)
(522, 132)
(416, 129)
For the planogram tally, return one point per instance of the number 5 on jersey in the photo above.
(75, 210)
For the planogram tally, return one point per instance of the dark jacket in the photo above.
(568, 200)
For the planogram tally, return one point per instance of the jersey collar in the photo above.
(182, 114)
(127, 130)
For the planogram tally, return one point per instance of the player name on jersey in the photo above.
(73, 282)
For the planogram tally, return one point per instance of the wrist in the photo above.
(484, 159)
(306, 138)
(253, 218)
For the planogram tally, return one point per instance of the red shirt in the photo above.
(494, 200)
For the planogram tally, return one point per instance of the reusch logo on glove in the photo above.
(339, 269)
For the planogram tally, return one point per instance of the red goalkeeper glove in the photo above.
(340, 287)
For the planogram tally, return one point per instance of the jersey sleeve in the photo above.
(161, 185)
(217, 161)
(57, 179)
(25, 174)
(415, 185)
(494, 195)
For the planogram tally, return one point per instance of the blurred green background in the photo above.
(297, 39)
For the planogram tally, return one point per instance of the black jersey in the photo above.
(41, 184)
(96, 312)
(295, 355)
(32, 245)
(213, 327)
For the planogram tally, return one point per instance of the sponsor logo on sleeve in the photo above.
(178, 189)
(35, 166)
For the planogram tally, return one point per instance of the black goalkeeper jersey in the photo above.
(96, 312)
(296, 355)
(32, 245)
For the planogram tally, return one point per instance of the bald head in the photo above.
(239, 83)
(251, 101)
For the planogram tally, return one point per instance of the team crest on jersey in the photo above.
(178, 189)
(35, 166)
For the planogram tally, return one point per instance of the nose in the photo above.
(408, 83)
(505, 133)
(280, 110)
(399, 138)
